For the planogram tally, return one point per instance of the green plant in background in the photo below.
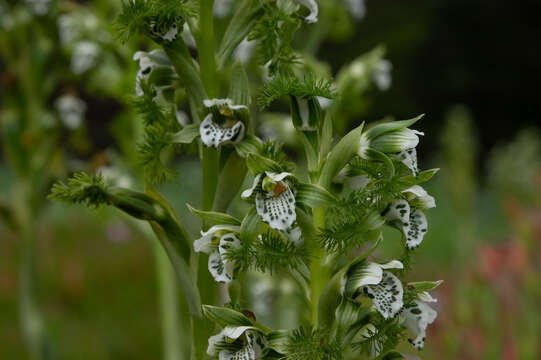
(318, 220)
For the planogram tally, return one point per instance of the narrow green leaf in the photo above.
(186, 135)
(213, 217)
(313, 195)
(326, 136)
(239, 87)
(340, 155)
(250, 227)
(311, 156)
(379, 129)
(421, 286)
(410, 180)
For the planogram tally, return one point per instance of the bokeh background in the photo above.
(473, 66)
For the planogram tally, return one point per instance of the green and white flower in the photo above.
(237, 343)
(274, 199)
(216, 242)
(224, 123)
(417, 316)
(169, 35)
(369, 279)
(312, 6)
(409, 215)
(148, 61)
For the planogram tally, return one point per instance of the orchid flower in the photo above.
(312, 6)
(417, 316)
(274, 199)
(215, 242)
(248, 340)
(224, 123)
(410, 216)
(383, 287)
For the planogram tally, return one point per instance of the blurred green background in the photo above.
(472, 66)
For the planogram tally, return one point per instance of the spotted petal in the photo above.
(277, 211)
(387, 295)
(417, 316)
(220, 268)
(409, 158)
(415, 229)
(399, 210)
(215, 135)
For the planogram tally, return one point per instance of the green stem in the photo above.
(318, 273)
(205, 47)
(167, 285)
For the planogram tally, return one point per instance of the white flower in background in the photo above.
(357, 8)
(80, 25)
(147, 62)
(85, 56)
(223, 124)
(222, 8)
(216, 242)
(187, 36)
(39, 7)
(248, 343)
(382, 74)
(312, 6)
(114, 176)
(274, 199)
(71, 110)
(384, 288)
(412, 220)
(417, 316)
(244, 51)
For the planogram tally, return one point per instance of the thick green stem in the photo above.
(318, 273)
(205, 47)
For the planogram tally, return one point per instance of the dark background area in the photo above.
(484, 54)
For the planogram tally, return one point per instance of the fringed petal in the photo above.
(387, 295)
(415, 229)
(277, 211)
(248, 192)
(215, 135)
(417, 316)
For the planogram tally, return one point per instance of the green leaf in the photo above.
(375, 155)
(259, 164)
(410, 180)
(225, 316)
(313, 195)
(230, 181)
(380, 129)
(186, 135)
(326, 136)
(250, 227)
(311, 156)
(348, 313)
(340, 155)
(239, 88)
(421, 286)
(250, 144)
(239, 27)
(213, 217)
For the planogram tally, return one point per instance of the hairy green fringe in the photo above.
(81, 189)
(282, 86)
(312, 344)
(389, 335)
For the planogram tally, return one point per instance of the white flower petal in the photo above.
(277, 211)
(277, 177)
(215, 135)
(223, 102)
(387, 295)
(409, 158)
(393, 264)
(312, 6)
(71, 110)
(204, 244)
(417, 317)
(248, 192)
(367, 273)
(424, 199)
(426, 297)
(415, 229)
(228, 241)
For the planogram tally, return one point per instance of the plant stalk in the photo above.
(318, 273)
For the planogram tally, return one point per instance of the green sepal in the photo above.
(230, 181)
(239, 86)
(250, 227)
(421, 286)
(311, 156)
(326, 137)
(347, 314)
(248, 13)
(259, 164)
(340, 155)
(386, 127)
(161, 76)
(375, 155)
(250, 145)
(313, 195)
(226, 316)
(406, 182)
(213, 217)
(278, 341)
(186, 135)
